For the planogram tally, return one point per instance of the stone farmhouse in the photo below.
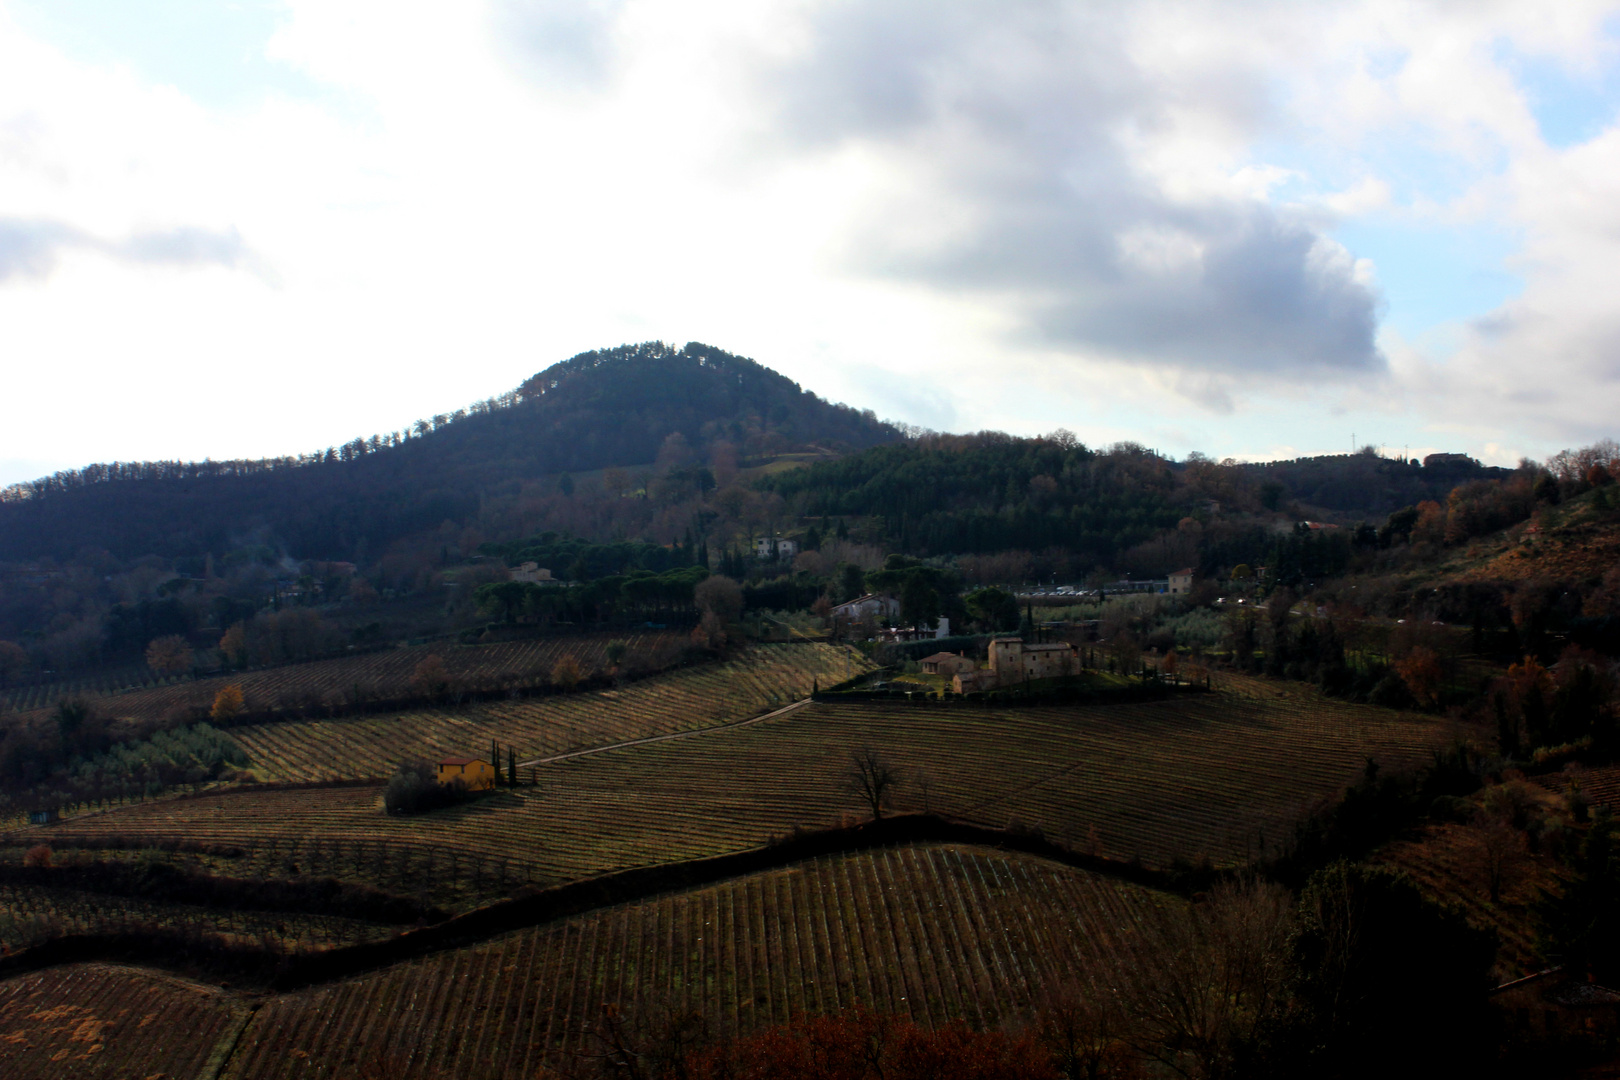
(944, 663)
(1012, 662)
(1182, 581)
(477, 774)
(535, 574)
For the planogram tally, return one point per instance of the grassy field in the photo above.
(96, 1020)
(931, 932)
(1221, 775)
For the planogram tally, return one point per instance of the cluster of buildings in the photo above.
(1010, 662)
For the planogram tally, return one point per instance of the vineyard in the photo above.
(97, 683)
(760, 679)
(1221, 775)
(95, 1020)
(30, 915)
(930, 932)
(1601, 785)
(331, 685)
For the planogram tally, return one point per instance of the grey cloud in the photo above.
(32, 247)
(1016, 129)
(185, 247)
(561, 44)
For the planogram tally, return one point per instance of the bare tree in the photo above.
(1500, 853)
(872, 779)
(1207, 980)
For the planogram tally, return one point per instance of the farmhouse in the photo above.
(883, 608)
(944, 663)
(534, 573)
(1012, 662)
(477, 774)
(1181, 581)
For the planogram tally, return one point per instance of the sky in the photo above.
(244, 228)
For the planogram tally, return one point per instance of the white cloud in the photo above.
(1129, 207)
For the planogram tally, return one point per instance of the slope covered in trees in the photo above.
(613, 407)
(960, 494)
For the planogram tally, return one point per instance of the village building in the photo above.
(1012, 662)
(948, 664)
(942, 629)
(882, 608)
(477, 774)
(1181, 582)
(534, 573)
(775, 547)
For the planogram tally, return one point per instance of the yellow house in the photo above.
(477, 774)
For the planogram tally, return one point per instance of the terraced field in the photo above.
(327, 683)
(931, 932)
(96, 1020)
(29, 915)
(763, 677)
(1220, 775)
(1601, 785)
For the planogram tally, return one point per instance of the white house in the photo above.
(774, 547)
(533, 573)
(883, 608)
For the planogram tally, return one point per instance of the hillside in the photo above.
(613, 407)
(819, 936)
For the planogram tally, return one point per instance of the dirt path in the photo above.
(666, 738)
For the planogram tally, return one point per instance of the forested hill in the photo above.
(960, 494)
(600, 409)
(1365, 484)
(1124, 506)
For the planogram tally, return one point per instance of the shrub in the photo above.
(415, 789)
(567, 674)
(430, 677)
(38, 855)
(228, 704)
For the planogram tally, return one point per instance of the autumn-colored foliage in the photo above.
(1420, 671)
(233, 644)
(430, 677)
(38, 855)
(169, 655)
(567, 674)
(861, 1045)
(228, 704)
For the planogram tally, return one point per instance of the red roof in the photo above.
(456, 761)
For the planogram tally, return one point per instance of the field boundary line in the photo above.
(730, 725)
(224, 1050)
